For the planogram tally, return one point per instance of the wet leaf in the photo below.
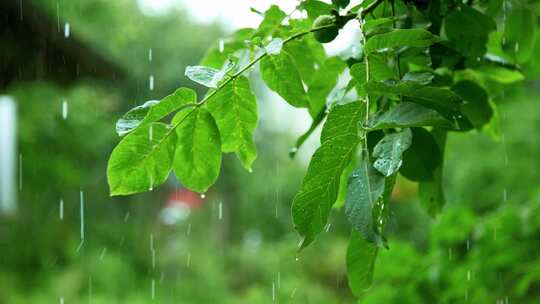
(155, 110)
(422, 158)
(361, 256)
(407, 115)
(280, 74)
(197, 158)
(142, 160)
(235, 110)
(389, 150)
(339, 138)
(400, 38)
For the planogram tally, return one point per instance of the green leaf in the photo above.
(197, 158)
(442, 100)
(519, 32)
(500, 74)
(378, 68)
(142, 160)
(315, 8)
(400, 38)
(476, 102)
(467, 30)
(361, 256)
(370, 24)
(339, 138)
(153, 110)
(423, 78)
(407, 115)
(392, 87)
(324, 80)
(208, 77)
(219, 52)
(272, 20)
(235, 110)
(279, 72)
(431, 193)
(389, 150)
(307, 54)
(423, 157)
(366, 189)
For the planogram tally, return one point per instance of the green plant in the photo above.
(425, 69)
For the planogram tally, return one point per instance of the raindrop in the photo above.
(64, 109)
(66, 30)
(81, 200)
(468, 275)
(161, 277)
(297, 259)
(221, 45)
(273, 291)
(188, 231)
(203, 195)
(103, 252)
(250, 170)
(151, 82)
(150, 54)
(293, 151)
(293, 293)
(220, 210)
(61, 210)
(468, 245)
(62, 300)
(126, 217)
(150, 133)
(153, 289)
(327, 227)
(188, 260)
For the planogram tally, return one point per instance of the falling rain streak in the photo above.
(81, 197)
(151, 82)
(66, 30)
(61, 210)
(220, 210)
(64, 109)
(150, 54)
(221, 45)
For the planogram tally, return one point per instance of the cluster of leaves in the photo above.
(422, 70)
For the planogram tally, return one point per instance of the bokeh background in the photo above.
(69, 69)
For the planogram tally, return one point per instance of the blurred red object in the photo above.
(185, 197)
